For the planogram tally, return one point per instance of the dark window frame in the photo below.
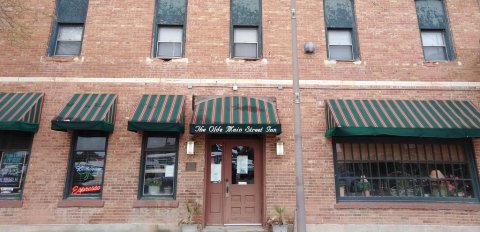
(59, 25)
(141, 182)
(71, 161)
(427, 185)
(8, 147)
(250, 24)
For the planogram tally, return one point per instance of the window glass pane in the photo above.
(13, 168)
(88, 168)
(161, 142)
(169, 49)
(435, 53)
(404, 171)
(340, 52)
(242, 165)
(339, 37)
(91, 143)
(245, 50)
(245, 35)
(159, 178)
(170, 34)
(216, 163)
(68, 48)
(433, 38)
(70, 33)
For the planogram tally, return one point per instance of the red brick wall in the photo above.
(117, 44)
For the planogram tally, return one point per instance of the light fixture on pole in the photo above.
(190, 146)
(279, 147)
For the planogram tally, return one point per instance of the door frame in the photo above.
(261, 140)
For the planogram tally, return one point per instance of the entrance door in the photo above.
(234, 182)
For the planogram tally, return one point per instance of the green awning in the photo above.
(159, 113)
(87, 112)
(235, 115)
(416, 118)
(20, 111)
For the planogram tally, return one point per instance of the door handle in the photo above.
(227, 188)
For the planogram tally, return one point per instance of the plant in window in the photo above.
(153, 186)
(278, 222)
(189, 224)
(363, 186)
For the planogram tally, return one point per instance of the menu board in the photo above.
(11, 169)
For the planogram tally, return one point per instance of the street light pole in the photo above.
(300, 195)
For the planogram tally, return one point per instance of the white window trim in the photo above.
(157, 52)
(444, 46)
(235, 43)
(330, 44)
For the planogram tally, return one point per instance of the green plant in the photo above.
(279, 218)
(153, 182)
(363, 185)
(193, 210)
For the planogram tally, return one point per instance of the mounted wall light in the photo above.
(279, 147)
(191, 146)
(309, 47)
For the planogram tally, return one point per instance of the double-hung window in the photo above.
(245, 42)
(169, 29)
(246, 29)
(87, 165)
(341, 30)
(14, 156)
(434, 30)
(159, 164)
(68, 27)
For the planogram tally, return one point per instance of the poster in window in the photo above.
(11, 169)
(242, 164)
(215, 172)
(169, 170)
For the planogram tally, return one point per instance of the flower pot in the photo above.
(342, 191)
(366, 193)
(279, 228)
(153, 190)
(189, 227)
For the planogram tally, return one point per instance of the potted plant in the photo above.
(189, 224)
(363, 186)
(153, 186)
(278, 222)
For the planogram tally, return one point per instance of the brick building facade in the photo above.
(118, 56)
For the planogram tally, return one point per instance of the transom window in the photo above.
(170, 41)
(245, 42)
(87, 166)
(158, 172)
(69, 39)
(434, 45)
(376, 169)
(340, 44)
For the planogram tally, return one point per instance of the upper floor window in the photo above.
(434, 30)
(159, 164)
(340, 44)
(87, 165)
(169, 29)
(14, 157)
(341, 30)
(68, 27)
(246, 29)
(245, 42)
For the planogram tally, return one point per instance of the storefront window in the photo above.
(159, 161)
(418, 169)
(87, 166)
(14, 156)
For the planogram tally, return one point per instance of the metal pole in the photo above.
(301, 224)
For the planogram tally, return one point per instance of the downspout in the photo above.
(300, 196)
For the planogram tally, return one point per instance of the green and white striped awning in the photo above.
(159, 113)
(235, 115)
(416, 118)
(20, 111)
(87, 112)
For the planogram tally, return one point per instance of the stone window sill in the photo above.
(84, 203)
(11, 203)
(408, 205)
(155, 204)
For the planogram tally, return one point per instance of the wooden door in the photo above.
(234, 182)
